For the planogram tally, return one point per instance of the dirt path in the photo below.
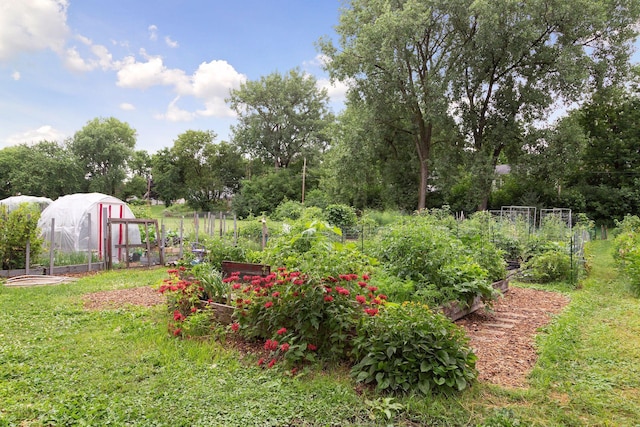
(504, 340)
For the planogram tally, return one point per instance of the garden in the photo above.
(339, 330)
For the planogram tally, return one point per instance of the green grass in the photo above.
(63, 365)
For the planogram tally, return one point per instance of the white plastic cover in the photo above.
(14, 201)
(78, 223)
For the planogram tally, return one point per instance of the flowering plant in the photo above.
(190, 313)
(311, 316)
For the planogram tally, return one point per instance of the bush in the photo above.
(312, 316)
(627, 251)
(288, 209)
(552, 265)
(342, 216)
(424, 250)
(16, 228)
(315, 248)
(409, 348)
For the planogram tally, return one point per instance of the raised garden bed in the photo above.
(455, 311)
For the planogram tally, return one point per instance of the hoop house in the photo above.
(13, 202)
(79, 223)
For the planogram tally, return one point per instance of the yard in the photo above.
(66, 362)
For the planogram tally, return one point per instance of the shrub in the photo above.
(342, 216)
(315, 248)
(288, 209)
(16, 228)
(551, 265)
(627, 251)
(409, 348)
(424, 250)
(312, 316)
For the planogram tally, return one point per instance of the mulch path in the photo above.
(503, 338)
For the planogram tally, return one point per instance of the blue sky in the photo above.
(164, 66)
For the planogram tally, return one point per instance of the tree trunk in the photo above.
(423, 147)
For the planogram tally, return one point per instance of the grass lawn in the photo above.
(63, 365)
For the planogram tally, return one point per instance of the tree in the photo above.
(281, 118)
(45, 169)
(496, 66)
(103, 147)
(167, 176)
(516, 59)
(138, 182)
(207, 172)
(610, 176)
(396, 53)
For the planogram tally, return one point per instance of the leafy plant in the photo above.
(16, 228)
(319, 316)
(341, 216)
(551, 265)
(409, 348)
(288, 209)
(210, 279)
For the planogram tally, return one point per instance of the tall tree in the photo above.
(281, 117)
(516, 59)
(104, 146)
(44, 169)
(396, 55)
(209, 172)
(168, 179)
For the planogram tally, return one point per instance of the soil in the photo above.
(503, 338)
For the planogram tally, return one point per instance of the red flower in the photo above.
(182, 268)
(194, 309)
(281, 331)
(328, 289)
(343, 291)
(361, 299)
(177, 316)
(275, 294)
(177, 332)
(362, 284)
(271, 345)
(365, 277)
(236, 286)
(273, 362)
(284, 347)
(371, 311)
(298, 282)
(382, 296)
(295, 294)
(261, 361)
(312, 347)
(373, 288)
(328, 298)
(235, 326)
(173, 271)
(268, 304)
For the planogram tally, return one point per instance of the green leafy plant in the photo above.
(312, 316)
(210, 279)
(627, 251)
(16, 228)
(288, 209)
(410, 348)
(383, 407)
(551, 265)
(341, 216)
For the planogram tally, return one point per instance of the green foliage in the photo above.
(209, 277)
(425, 250)
(16, 228)
(218, 250)
(627, 251)
(317, 198)
(550, 265)
(262, 194)
(281, 118)
(342, 216)
(288, 209)
(103, 147)
(312, 316)
(315, 248)
(409, 348)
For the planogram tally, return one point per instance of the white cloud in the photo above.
(127, 106)
(153, 32)
(171, 43)
(32, 25)
(210, 83)
(33, 136)
(337, 90)
(15, 75)
(175, 114)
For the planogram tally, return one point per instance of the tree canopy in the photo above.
(281, 117)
